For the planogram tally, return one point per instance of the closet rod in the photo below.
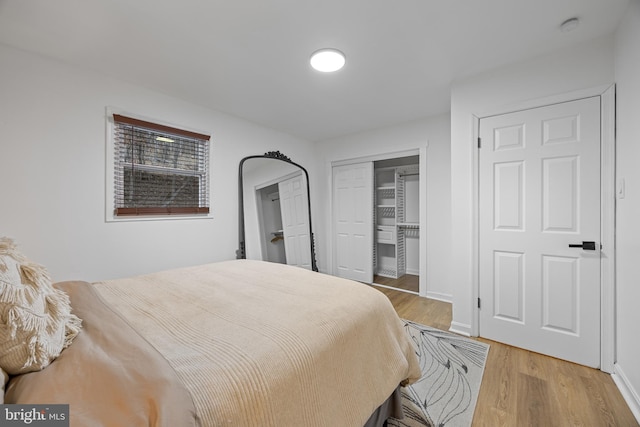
(408, 174)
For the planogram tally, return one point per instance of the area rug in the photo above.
(452, 368)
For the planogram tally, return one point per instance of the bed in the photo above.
(234, 343)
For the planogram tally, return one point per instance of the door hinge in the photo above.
(478, 302)
(479, 142)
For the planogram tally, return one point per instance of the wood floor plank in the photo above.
(408, 282)
(495, 405)
(534, 405)
(523, 388)
(569, 392)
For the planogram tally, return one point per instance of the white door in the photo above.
(539, 193)
(295, 221)
(353, 221)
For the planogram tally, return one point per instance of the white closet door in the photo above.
(295, 221)
(353, 221)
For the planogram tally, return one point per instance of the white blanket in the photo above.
(265, 344)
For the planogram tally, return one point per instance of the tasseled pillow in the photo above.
(36, 323)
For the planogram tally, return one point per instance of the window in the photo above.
(159, 170)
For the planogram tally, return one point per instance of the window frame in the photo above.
(145, 214)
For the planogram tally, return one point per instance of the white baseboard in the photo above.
(439, 296)
(460, 328)
(629, 394)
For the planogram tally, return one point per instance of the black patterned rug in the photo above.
(452, 368)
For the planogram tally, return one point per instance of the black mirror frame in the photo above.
(277, 155)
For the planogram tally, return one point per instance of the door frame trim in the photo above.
(607, 206)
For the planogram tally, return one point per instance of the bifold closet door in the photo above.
(353, 221)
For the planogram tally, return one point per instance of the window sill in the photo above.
(174, 217)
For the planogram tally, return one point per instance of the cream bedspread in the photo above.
(265, 344)
(110, 376)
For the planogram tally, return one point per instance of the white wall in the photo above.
(589, 65)
(52, 170)
(432, 133)
(627, 72)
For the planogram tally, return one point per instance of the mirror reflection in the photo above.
(275, 219)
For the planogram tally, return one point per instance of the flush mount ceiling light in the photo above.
(569, 25)
(327, 60)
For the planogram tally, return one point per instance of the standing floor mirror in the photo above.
(275, 211)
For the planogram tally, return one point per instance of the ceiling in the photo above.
(250, 58)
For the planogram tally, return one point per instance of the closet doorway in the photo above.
(270, 222)
(396, 251)
(376, 215)
(283, 220)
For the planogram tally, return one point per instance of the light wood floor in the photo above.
(408, 282)
(522, 388)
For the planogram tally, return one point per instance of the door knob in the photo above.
(587, 246)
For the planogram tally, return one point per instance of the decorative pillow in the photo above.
(5, 379)
(36, 323)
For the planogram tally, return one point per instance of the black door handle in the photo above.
(587, 246)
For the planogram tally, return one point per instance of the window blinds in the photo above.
(159, 170)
